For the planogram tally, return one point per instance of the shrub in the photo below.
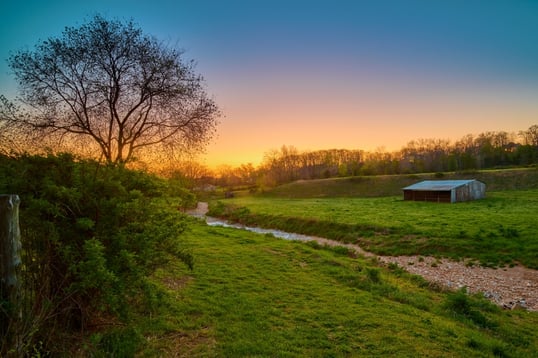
(91, 236)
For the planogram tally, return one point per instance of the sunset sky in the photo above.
(329, 74)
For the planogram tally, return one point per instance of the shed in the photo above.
(445, 191)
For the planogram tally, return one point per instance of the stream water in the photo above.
(201, 211)
(276, 233)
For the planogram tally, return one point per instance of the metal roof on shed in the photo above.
(439, 185)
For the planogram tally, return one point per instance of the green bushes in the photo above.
(91, 236)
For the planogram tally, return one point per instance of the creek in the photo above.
(276, 233)
(509, 287)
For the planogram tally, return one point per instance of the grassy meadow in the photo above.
(252, 295)
(498, 230)
(221, 292)
(391, 185)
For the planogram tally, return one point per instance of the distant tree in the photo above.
(247, 173)
(227, 176)
(530, 136)
(187, 172)
(109, 82)
(528, 152)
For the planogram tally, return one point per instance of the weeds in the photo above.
(461, 305)
(508, 232)
(396, 269)
(122, 342)
(373, 275)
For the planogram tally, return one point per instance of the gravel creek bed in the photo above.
(509, 287)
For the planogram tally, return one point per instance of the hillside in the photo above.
(252, 295)
(390, 185)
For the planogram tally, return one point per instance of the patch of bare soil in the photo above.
(173, 283)
(512, 287)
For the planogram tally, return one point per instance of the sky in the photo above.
(353, 74)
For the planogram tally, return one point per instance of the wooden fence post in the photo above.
(10, 259)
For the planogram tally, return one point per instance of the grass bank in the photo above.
(391, 185)
(498, 230)
(252, 295)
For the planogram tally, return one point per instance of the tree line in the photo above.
(472, 152)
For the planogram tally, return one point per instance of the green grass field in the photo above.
(252, 295)
(498, 230)
(391, 185)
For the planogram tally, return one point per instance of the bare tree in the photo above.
(107, 81)
(7, 141)
(188, 172)
(530, 136)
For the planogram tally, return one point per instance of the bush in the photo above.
(91, 236)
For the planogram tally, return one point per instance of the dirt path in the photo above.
(508, 287)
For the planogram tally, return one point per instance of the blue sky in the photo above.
(329, 74)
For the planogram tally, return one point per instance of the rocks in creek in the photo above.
(492, 296)
(512, 305)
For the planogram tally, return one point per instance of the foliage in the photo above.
(91, 235)
(497, 230)
(117, 343)
(114, 87)
(253, 295)
(488, 150)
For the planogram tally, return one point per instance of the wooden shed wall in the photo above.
(428, 195)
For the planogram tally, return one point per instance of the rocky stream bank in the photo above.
(510, 287)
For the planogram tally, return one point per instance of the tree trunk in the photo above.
(10, 260)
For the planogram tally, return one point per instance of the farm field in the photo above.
(498, 230)
(254, 295)
(391, 185)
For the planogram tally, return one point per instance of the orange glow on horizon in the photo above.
(366, 112)
(391, 130)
